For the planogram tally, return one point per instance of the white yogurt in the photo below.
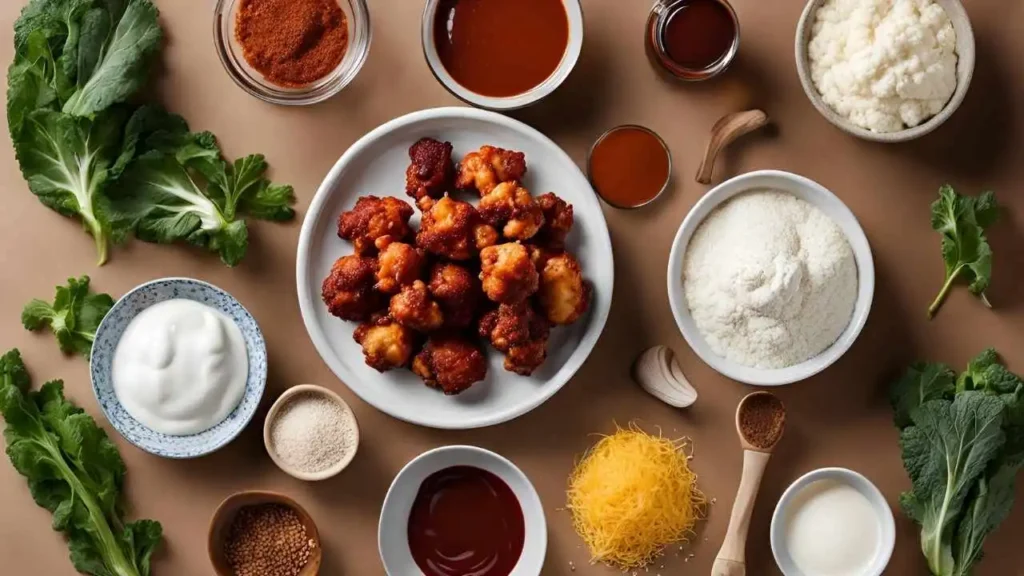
(832, 530)
(180, 367)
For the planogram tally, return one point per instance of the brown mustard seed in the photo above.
(267, 540)
(762, 419)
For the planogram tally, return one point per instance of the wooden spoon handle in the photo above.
(733, 551)
(724, 132)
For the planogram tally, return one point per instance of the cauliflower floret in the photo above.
(885, 65)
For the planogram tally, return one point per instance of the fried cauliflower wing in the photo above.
(563, 295)
(414, 308)
(510, 208)
(451, 363)
(558, 220)
(375, 222)
(386, 343)
(431, 171)
(489, 166)
(453, 229)
(348, 290)
(524, 358)
(458, 292)
(507, 325)
(507, 273)
(398, 265)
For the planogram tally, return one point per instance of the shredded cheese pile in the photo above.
(633, 494)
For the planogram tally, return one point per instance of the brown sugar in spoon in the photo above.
(760, 422)
(725, 132)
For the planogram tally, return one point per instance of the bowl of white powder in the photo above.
(311, 433)
(770, 278)
(885, 70)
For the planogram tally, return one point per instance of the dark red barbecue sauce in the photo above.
(466, 522)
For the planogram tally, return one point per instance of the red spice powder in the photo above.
(292, 42)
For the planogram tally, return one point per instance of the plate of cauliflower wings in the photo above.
(454, 268)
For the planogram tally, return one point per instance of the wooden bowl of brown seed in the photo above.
(258, 533)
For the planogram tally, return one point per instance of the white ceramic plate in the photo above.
(392, 529)
(376, 165)
(817, 195)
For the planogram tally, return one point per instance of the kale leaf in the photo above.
(963, 446)
(74, 471)
(74, 316)
(75, 59)
(180, 189)
(962, 221)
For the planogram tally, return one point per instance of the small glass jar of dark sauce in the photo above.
(693, 39)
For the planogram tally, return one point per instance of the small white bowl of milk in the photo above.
(832, 522)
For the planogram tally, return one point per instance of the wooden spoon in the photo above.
(724, 132)
(731, 559)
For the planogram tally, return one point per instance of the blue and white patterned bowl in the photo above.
(101, 367)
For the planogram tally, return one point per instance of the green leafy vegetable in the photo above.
(75, 59)
(77, 63)
(180, 189)
(962, 221)
(74, 315)
(75, 472)
(963, 445)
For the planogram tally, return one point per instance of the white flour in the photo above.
(770, 280)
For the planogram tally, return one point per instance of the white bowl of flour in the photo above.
(770, 278)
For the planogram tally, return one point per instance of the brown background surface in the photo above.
(840, 417)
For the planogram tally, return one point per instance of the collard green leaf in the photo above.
(74, 471)
(66, 161)
(965, 251)
(74, 316)
(946, 451)
(990, 501)
(921, 383)
(123, 66)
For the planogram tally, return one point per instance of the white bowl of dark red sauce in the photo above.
(462, 510)
(502, 55)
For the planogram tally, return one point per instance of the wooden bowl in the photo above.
(222, 518)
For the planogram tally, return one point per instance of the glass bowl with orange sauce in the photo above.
(502, 55)
(629, 166)
(693, 39)
(247, 77)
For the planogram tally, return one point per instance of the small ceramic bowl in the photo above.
(222, 518)
(818, 196)
(102, 359)
(392, 530)
(964, 71)
(246, 77)
(283, 401)
(573, 10)
(887, 525)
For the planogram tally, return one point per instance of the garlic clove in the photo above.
(657, 371)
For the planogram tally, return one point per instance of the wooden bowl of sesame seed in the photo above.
(257, 533)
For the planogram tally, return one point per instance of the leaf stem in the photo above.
(937, 303)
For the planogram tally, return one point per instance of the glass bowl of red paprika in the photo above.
(292, 52)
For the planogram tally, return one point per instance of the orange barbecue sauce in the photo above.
(501, 48)
(629, 166)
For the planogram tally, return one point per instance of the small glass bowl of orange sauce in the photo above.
(629, 166)
(693, 39)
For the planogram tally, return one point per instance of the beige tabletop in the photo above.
(839, 418)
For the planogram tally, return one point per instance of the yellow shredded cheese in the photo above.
(631, 495)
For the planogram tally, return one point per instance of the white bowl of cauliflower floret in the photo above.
(885, 70)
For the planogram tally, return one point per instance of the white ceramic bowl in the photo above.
(282, 401)
(392, 530)
(376, 164)
(574, 12)
(964, 71)
(887, 525)
(828, 203)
